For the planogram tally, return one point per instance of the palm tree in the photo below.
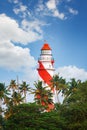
(39, 92)
(59, 85)
(9, 111)
(3, 92)
(13, 85)
(16, 98)
(42, 96)
(72, 88)
(24, 88)
(12, 101)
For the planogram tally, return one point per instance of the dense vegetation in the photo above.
(17, 114)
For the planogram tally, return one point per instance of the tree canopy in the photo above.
(19, 115)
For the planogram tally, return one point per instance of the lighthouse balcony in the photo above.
(46, 59)
(46, 52)
(51, 69)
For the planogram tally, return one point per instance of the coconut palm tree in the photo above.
(17, 98)
(24, 88)
(2, 90)
(13, 86)
(71, 89)
(12, 101)
(59, 85)
(3, 93)
(42, 95)
(39, 92)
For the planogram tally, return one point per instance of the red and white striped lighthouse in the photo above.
(46, 65)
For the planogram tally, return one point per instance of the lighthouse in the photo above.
(46, 65)
(45, 71)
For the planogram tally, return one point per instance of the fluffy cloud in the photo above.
(21, 9)
(59, 15)
(15, 1)
(49, 8)
(69, 72)
(10, 31)
(73, 11)
(43, 8)
(33, 25)
(15, 57)
(52, 6)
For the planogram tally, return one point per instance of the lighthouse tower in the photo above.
(46, 65)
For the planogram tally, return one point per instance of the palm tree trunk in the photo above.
(57, 97)
(0, 102)
(25, 96)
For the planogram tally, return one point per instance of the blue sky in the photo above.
(25, 24)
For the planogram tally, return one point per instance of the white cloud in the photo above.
(14, 57)
(49, 8)
(52, 6)
(21, 8)
(33, 25)
(59, 15)
(69, 72)
(73, 11)
(15, 1)
(40, 6)
(10, 31)
(16, 60)
(43, 8)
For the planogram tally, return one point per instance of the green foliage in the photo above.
(75, 116)
(23, 116)
(30, 117)
(52, 121)
(77, 93)
(70, 115)
(2, 123)
(3, 90)
(75, 108)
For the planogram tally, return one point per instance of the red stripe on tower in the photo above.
(43, 73)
